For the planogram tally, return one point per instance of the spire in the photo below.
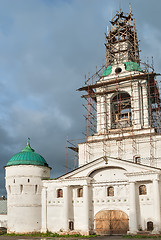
(130, 7)
(28, 141)
(121, 43)
(28, 147)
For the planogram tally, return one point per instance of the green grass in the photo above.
(49, 234)
(142, 236)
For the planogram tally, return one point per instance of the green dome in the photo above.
(27, 156)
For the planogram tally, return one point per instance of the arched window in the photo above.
(149, 226)
(80, 192)
(110, 191)
(59, 193)
(142, 190)
(71, 225)
(137, 159)
(121, 110)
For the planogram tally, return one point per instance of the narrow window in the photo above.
(36, 188)
(59, 193)
(142, 190)
(149, 226)
(9, 189)
(21, 188)
(137, 159)
(13, 180)
(28, 180)
(110, 191)
(80, 192)
(71, 225)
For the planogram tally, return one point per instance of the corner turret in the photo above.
(24, 174)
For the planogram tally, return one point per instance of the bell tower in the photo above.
(125, 96)
(125, 90)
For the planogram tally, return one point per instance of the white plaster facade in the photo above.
(24, 187)
(107, 160)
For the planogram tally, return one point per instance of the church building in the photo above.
(116, 188)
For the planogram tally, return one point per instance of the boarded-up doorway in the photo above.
(111, 222)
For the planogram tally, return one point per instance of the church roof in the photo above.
(27, 156)
(129, 66)
(132, 66)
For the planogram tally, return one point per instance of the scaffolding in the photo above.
(121, 47)
(121, 42)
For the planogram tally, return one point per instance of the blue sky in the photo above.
(46, 48)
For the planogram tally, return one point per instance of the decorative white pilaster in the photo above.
(157, 214)
(98, 114)
(108, 109)
(86, 207)
(104, 116)
(145, 105)
(44, 210)
(136, 121)
(66, 208)
(133, 214)
(101, 115)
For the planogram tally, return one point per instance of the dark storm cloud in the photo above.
(46, 48)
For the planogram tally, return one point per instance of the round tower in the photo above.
(24, 174)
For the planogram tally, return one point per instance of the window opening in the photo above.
(71, 225)
(9, 188)
(36, 189)
(59, 193)
(118, 70)
(110, 191)
(142, 190)
(21, 188)
(80, 192)
(13, 180)
(121, 110)
(28, 180)
(150, 226)
(137, 159)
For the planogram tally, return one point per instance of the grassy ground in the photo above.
(143, 236)
(49, 234)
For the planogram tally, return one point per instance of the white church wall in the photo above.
(122, 150)
(145, 205)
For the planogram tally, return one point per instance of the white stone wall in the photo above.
(125, 149)
(24, 185)
(98, 201)
(3, 220)
(82, 210)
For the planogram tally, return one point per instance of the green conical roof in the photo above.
(27, 156)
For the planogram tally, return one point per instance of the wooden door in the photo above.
(111, 222)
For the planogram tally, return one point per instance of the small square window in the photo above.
(59, 193)
(110, 191)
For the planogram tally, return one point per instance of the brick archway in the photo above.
(111, 222)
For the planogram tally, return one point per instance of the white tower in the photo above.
(123, 105)
(24, 174)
